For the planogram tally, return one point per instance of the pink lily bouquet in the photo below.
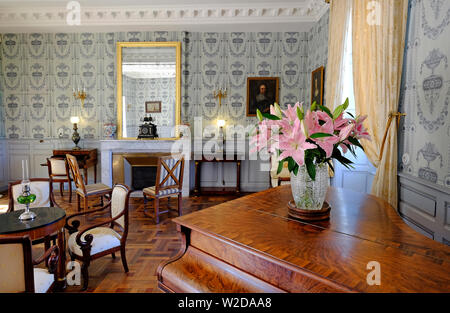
(309, 138)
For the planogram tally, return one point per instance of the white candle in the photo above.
(23, 170)
(26, 168)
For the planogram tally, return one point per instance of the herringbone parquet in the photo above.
(148, 244)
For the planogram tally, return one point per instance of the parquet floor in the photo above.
(148, 244)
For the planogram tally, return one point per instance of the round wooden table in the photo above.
(49, 220)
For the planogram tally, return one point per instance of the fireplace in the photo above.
(136, 170)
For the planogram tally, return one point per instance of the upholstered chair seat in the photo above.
(94, 189)
(100, 239)
(17, 273)
(151, 190)
(169, 182)
(43, 280)
(104, 238)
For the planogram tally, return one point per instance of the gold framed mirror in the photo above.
(148, 85)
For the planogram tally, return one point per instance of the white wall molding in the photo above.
(35, 18)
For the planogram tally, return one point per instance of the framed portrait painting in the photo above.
(317, 85)
(152, 106)
(262, 92)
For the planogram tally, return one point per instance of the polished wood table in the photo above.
(86, 158)
(218, 158)
(251, 245)
(47, 222)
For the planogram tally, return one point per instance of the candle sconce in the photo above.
(80, 95)
(221, 94)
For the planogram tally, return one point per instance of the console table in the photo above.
(86, 158)
(251, 245)
(218, 158)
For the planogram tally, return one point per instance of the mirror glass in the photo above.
(149, 85)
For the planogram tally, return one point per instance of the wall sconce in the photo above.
(81, 95)
(75, 137)
(221, 94)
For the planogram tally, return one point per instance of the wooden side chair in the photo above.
(17, 273)
(99, 239)
(169, 182)
(58, 171)
(86, 191)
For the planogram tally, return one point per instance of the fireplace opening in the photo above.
(143, 177)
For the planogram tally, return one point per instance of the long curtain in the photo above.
(339, 19)
(378, 45)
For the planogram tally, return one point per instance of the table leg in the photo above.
(197, 178)
(62, 261)
(85, 175)
(238, 177)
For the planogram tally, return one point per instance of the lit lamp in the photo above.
(221, 124)
(75, 137)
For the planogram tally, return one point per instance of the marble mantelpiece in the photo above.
(108, 147)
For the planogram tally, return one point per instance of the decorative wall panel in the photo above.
(425, 95)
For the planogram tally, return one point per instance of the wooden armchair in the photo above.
(17, 273)
(86, 191)
(169, 182)
(43, 189)
(58, 172)
(94, 241)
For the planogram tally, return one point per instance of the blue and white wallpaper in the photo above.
(318, 51)
(39, 71)
(425, 95)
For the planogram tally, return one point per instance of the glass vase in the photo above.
(310, 194)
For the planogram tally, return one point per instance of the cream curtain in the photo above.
(339, 18)
(340, 11)
(378, 44)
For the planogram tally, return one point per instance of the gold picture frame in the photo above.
(150, 106)
(317, 85)
(120, 113)
(258, 98)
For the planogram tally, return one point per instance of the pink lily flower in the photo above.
(359, 130)
(295, 144)
(313, 125)
(291, 113)
(341, 122)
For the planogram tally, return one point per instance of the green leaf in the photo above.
(259, 115)
(280, 167)
(313, 106)
(296, 169)
(270, 116)
(320, 135)
(351, 115)
(345, 104)
(355, 142)
(311, 168)
(338, 111)
(300, 114)
(291, 164)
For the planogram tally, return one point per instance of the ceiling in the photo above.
(169, 15)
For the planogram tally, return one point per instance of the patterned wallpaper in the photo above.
(317, 51)
(138, 91)
(39, 71)
(425, 95)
